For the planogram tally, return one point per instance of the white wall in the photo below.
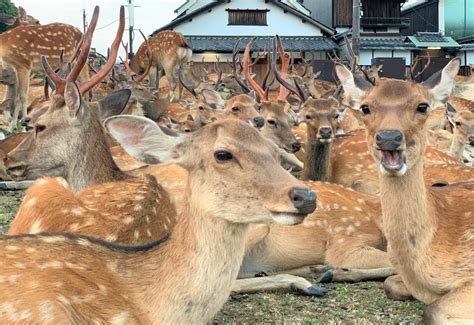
(215, 22)
(466, 57)
(366, 56)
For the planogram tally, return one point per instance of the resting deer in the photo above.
(461, 117)
(169, 50)
(168, 281)
(429, 230)
(21, 20)
(21, 49)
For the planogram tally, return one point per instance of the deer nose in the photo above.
(325, 133)
(259, 121)
(471, 141)
(303, 199)
(389, 140)
(296, 146)
(24, 121)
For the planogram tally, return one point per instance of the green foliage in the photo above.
(7, 8)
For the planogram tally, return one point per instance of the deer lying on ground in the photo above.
(461, 117)
(169, 50)
(21, 49)
(429, 230)
(345, 160)
(167, 281)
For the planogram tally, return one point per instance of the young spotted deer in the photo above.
(169, 50)
(429, 230)
(461, 117)
(21, 20)
(183, 279)
(21, 50)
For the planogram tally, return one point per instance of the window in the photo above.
(248, 17)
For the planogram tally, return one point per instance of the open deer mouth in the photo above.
(393, 161)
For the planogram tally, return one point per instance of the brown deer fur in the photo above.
(168, 283)
(429, 230)
(170, 49)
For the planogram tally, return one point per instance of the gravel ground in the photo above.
(359, 303)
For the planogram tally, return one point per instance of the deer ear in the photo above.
(144, 140)
(21, 13)
(114, 103)
(73, 99)
(441, 84)
(348, 83)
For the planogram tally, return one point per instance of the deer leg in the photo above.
(171, 77)
(328, 274)
(455, 307)
(152, 75)
(396, 289)
(356, 254)
(277, 282)
(21, 98)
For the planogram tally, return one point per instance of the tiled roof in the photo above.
(389, 43)
(432, 39)
(290, 43)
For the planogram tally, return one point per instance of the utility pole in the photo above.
(356, 30)
(84, 23)
(131, 23)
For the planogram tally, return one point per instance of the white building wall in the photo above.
(215, 22)
(466, 57)
(366, 56)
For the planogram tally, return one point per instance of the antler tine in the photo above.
(219, 73)
(246, 64)
(278, 77)
(111, 61)
(181, 80)
(244, 87)
(86, 45)
(59, 83)
(351, 54)
(125, 62)
(268, 70)
(366, 75)
(285, 61)
(150, 58)
(337, 92)
(422, 70)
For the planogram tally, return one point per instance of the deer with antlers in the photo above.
(169, 50)
(139, 209)
(429, 230)
(21, 49)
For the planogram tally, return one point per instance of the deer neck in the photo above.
(96, 164)
(409, 221)
(318, 159)
(457, 146)
(188, 279)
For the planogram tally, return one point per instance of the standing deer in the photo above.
(169, 50)
(21, 49)
(429, 230)
(184, 279)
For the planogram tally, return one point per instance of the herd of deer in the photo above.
(151, 217)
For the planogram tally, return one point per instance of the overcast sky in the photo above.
(150, 15)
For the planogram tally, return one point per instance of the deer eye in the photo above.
(235, 109)
(422, 108)
(271, 122)
(365, 109)
(336, 116)
(458, 123)
(201, 108)
(39, 128)
(222, 155)
(308, 117)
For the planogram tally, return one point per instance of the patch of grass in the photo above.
(9, 203)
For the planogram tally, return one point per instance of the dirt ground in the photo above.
(360, 303)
